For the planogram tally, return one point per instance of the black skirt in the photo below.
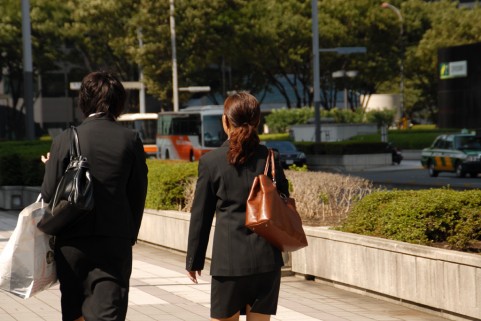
(231, 294)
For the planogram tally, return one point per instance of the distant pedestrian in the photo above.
(245, 268)
(94, 257)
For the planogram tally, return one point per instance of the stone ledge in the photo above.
(18, 197)
(343, 163)
(438, 279)
(441, 281)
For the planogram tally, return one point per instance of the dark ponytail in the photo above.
(242, 111)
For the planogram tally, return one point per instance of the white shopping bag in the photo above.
(27, 264)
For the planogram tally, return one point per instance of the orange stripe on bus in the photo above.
(150, 149)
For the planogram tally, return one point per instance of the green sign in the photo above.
(454, 69)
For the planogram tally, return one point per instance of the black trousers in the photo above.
(94, 276)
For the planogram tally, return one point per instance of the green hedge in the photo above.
(407, 139)
(20, 162)
(167, 183)
(342, 148)
(422, 217)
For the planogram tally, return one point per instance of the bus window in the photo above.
(214, 134)
(147, 130)
(190, 133)
(189, 125)
(146, 125)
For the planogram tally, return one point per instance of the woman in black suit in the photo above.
(245, 268)
(94, 257)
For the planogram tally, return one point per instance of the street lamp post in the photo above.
(316, 76)
(27, 70)
(141, 76)
(387, 5)
(175, 91)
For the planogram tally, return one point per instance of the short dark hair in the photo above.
(101, 91)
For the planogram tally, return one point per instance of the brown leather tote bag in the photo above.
(273, 215)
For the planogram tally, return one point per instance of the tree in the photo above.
(47, 17)
(433, 26)
(101, 35)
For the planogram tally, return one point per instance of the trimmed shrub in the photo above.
(168, 182)
(342, 148)
(20, 162)
(421, 217)
(322, 199)
(279, 120)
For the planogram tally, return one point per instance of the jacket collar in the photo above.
(100, 117)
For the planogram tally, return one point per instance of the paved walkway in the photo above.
(160, 290)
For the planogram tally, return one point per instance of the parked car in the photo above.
(458, 153)
(288, 152)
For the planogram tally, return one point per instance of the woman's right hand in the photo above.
(45, 158)
(192, 276)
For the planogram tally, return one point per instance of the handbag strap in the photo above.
(74, 143)
(270, 161)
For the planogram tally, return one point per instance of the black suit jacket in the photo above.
(117, 164)
(223, 189)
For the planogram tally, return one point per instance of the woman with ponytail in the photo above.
(245, 268)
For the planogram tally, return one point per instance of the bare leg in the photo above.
(235, 317)
(252, 316)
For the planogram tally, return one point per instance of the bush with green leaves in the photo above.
(381, 117)
(419, 216)
(342, 148)
(279, 120)
(20, 163)
(168, 181)
(344, 116)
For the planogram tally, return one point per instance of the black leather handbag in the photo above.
(74, 194)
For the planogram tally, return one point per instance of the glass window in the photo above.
(439, 143)
(146, 129)
(164, 124)
(186, 125)
(214, 134)
(281, 146)
(469, 142)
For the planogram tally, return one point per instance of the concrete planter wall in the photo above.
(331, 132)
(347, 162)
(17, 197)
(447, 282)
(169, 229)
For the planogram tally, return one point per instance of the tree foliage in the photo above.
(255, 45)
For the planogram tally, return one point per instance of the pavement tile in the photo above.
(161, 291)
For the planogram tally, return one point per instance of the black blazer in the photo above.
(117, 164)
(223, 189)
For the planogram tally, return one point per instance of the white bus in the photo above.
(190, 133)
(146, 125)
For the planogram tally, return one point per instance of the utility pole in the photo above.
(175, 91)
(141, 76)
(27, 71)
(387, 5)
(315, 65)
